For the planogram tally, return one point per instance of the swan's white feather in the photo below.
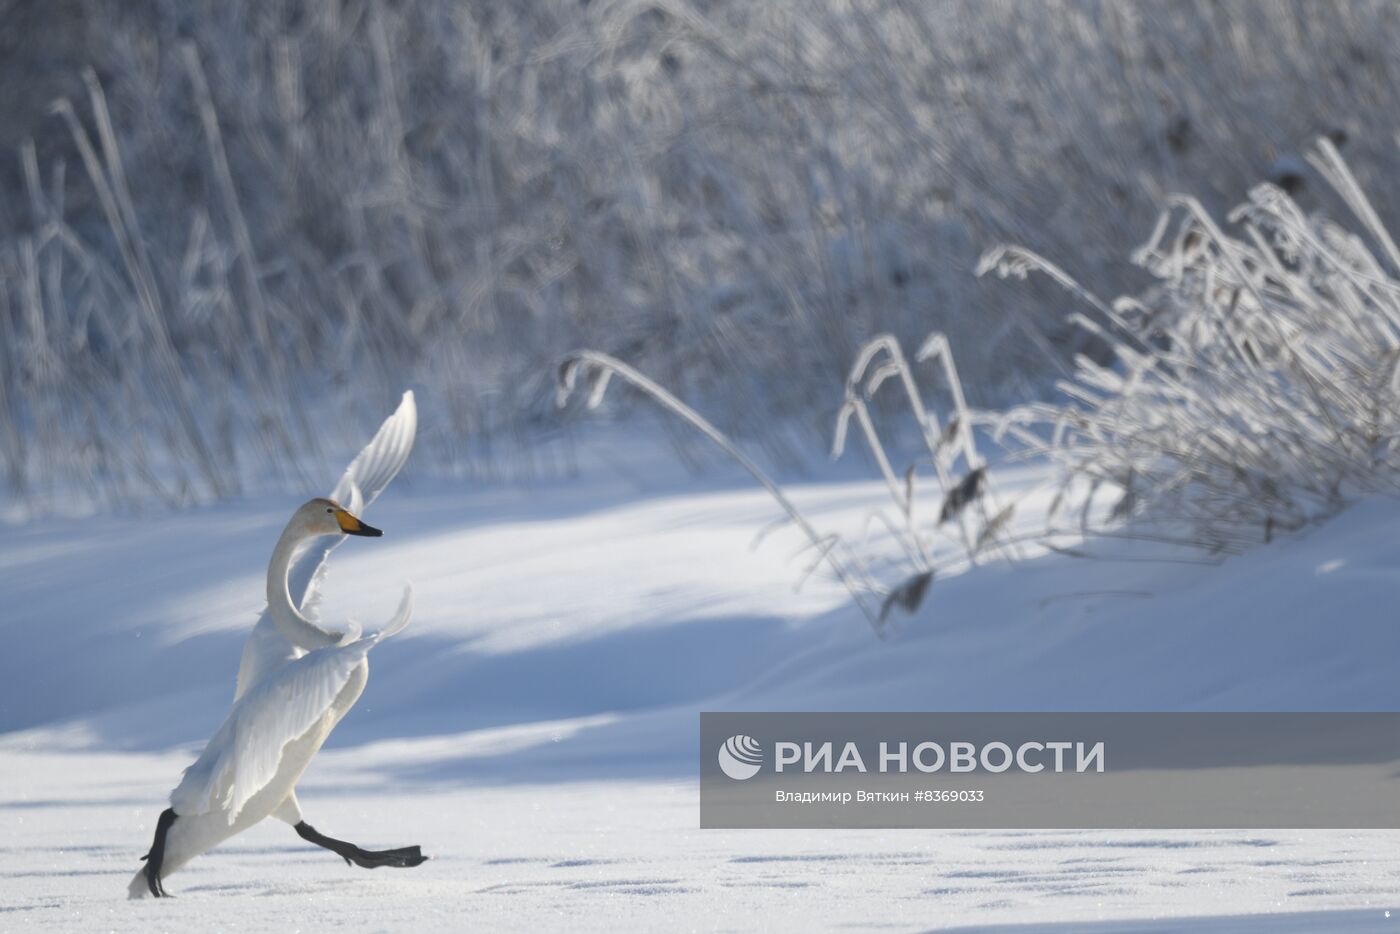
(244, 754)
(400, 618)
(366, 477)
(266, 651)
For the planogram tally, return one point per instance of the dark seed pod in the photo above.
(908, 595)
(967, 490)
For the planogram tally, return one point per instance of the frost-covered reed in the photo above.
(1253, 389)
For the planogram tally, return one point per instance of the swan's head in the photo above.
(327, 517)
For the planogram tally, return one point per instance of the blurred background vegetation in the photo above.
(232, 233)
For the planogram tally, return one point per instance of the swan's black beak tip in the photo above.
(351, 525)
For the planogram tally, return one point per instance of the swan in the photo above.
(296, 680)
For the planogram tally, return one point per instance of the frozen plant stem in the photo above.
(605, 366)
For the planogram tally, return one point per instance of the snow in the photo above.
(535, 728)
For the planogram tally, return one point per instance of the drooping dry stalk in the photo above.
(861, 384)
(604, 367)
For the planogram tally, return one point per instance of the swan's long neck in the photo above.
(297, 629)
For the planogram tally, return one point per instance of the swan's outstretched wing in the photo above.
(366, 477)
(244, 755)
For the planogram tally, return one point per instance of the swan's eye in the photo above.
(330, 511)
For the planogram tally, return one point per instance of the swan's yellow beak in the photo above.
(352, 526)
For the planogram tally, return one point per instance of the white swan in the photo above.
(296, 681)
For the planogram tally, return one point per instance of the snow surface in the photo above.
(535, 729)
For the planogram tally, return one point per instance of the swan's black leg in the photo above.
(155, 858)
(369, 859)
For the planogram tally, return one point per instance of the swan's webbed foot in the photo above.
(402, 857)
(155, 857)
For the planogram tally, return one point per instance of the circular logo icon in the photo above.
(741, 757)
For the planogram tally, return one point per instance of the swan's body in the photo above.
(295, 683)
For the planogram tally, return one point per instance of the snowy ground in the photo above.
(535, 729)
